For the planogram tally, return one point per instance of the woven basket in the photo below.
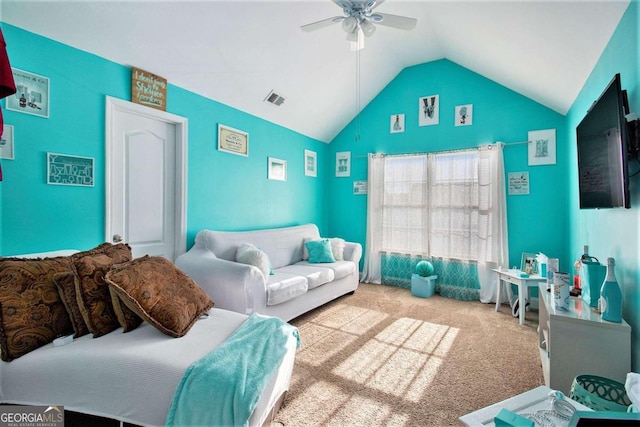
(599, 394)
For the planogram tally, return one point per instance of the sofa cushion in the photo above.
(249, 254)
(31, 311)
(94, 299)
(315, 274)
(340, 268)
(337, 248)
(160, 293)
(320, 251)
(282, 287)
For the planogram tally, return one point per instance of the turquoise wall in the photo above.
(225, 191)
(537, 222)
(611, 232)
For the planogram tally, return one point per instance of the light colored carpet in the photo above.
(382, 357)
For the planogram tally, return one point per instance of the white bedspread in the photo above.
(131, 377)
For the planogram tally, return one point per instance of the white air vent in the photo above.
(274, 98)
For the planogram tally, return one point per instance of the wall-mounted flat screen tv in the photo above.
(602, 151)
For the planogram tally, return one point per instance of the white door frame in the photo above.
(113, 105)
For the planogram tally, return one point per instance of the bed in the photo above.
(133, 377)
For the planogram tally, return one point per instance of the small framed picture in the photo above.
(32, 95)
(233, 141)
(310, 163)
(429, 110)
(397, 123)
(360, 187)
(64, 169)
(277, 169)
(542, 147)
(343, 163)
(529, 264)
(518, 183)
(6, 143)
(464, 115)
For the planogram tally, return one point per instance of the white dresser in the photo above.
(577, 341)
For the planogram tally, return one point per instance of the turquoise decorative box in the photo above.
(423, 287)
(506, 418)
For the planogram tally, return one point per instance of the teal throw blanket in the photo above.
(223, 387)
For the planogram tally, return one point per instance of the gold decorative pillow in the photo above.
(92, 293)
(31, 311)
(127, 318)
(160, 293)
(65, 282)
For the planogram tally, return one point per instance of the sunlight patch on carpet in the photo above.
(329, 334)
(326, 404)
(319, 402)
(402, 359)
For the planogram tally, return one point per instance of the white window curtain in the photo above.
(448, 205)
(493, 250)
(372, 268)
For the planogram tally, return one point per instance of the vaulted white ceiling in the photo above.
(236, 52)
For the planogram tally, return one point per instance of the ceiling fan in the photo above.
(360, 17)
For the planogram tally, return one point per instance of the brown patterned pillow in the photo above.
(65, 282)
(160, 293)
(127, 318)
(31, 311)
(92, 293)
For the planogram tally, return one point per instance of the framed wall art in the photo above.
(6, 143)
(65, 169)
(397, 123)
(343, 163)
(542, 147)
(464, 115)
(310, 163)
(429, 110)
(360, 187)
(277, 169)
(518, 183)
(233, 141)
(32, 94)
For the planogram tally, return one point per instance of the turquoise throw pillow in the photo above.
(320, 251)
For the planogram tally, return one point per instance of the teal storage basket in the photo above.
(592, 276)
(599, 393)
(423, 287)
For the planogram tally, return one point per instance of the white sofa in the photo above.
(294, 287)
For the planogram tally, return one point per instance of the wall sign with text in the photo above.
(148, 89)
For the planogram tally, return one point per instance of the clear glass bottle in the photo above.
(611, 295)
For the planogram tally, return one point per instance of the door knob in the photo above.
(117, 238)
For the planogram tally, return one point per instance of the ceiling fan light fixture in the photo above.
(376, 17)
(353, 36)
(367, 28)
(349, 24)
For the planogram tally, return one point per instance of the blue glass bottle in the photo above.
(611, 295)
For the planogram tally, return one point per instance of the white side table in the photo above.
(527, 402)
(523, 283)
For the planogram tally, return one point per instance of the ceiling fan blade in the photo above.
(321, 24)
(395, 21)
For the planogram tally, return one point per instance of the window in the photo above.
(430, 205)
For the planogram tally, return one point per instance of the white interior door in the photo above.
(146, 179)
